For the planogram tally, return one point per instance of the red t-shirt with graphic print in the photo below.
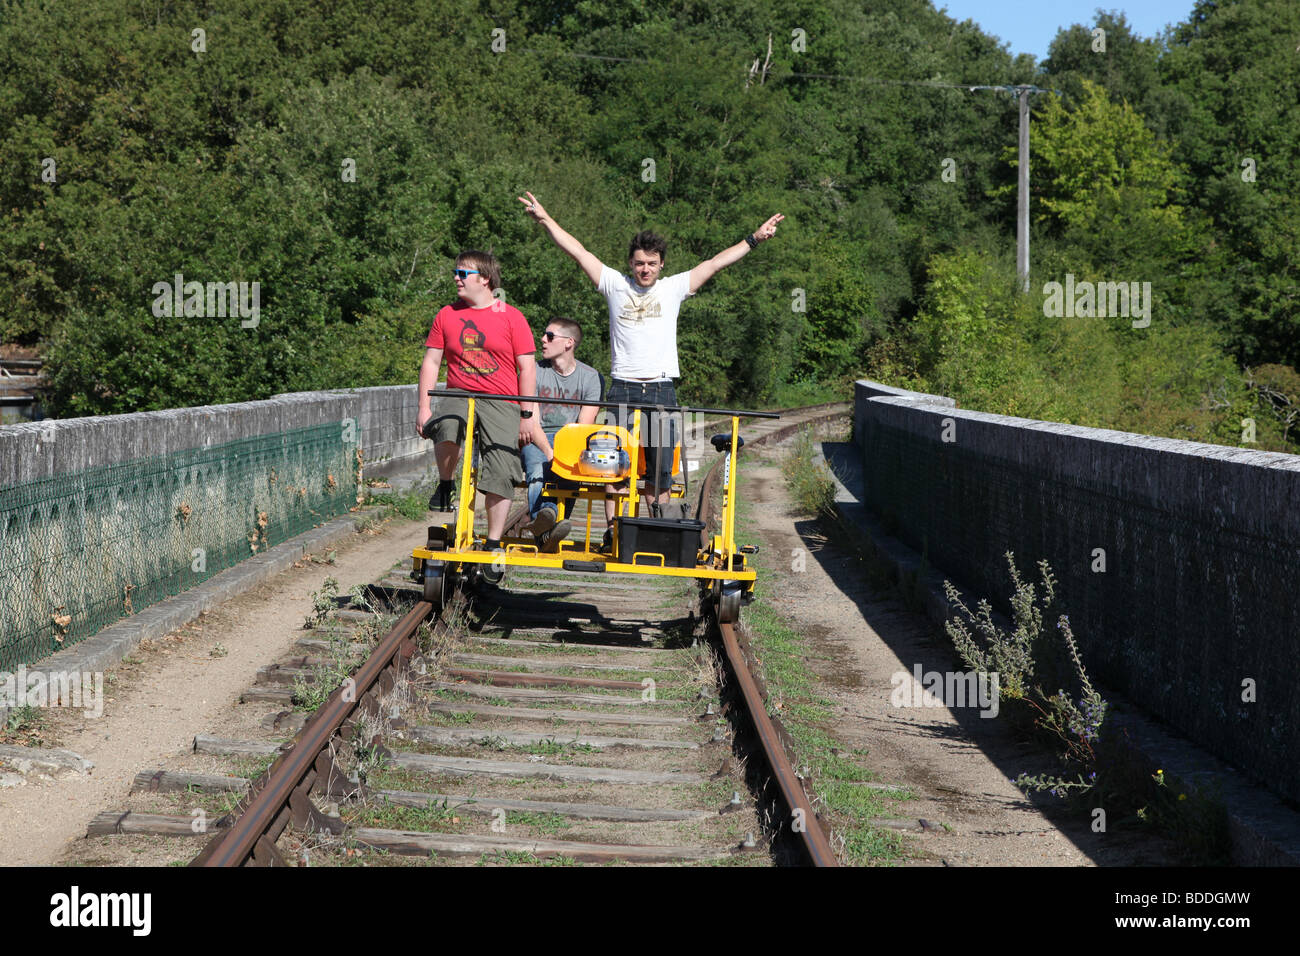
(481, 346)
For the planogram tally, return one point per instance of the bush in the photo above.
(809, 480)
(1025, 661)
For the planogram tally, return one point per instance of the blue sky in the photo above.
(1030, 25)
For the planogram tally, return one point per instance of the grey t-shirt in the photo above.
(584, 382)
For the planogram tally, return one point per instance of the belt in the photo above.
(644, 381)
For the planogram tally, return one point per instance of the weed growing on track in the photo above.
(513, 858)
(309, 695)
(322, 604)
(546, 823)
(434, 817)
(555, 748)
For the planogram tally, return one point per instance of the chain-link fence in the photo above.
(79, 551)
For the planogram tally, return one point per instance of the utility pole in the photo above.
(1022, 196)
(1022, 193)
(1021, 91)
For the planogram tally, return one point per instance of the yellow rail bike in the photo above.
(592, 462)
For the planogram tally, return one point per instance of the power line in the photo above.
(1012, 89)
(1019, 91)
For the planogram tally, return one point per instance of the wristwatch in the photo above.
(525, 414)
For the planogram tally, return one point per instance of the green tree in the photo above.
(1099, 174)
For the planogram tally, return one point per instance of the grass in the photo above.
(809, 481)
(798, 394)
(431, 818)
(543, 748)
(412, 504)
(25, 721)
(505, 650)
(546, 823)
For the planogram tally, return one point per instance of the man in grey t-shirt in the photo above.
(559, 375)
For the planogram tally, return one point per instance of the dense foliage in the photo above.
(133, 149)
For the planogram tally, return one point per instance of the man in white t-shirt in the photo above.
(643, 324)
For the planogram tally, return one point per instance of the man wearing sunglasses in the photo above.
(489, 348)
(643, 327)
(559, 375)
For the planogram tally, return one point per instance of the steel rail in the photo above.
(235, 846)
(271, 803)
(809, 828)
(813, 838)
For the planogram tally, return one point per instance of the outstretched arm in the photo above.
(707, 269)
(589, 263)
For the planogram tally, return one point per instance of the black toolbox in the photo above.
(678, 541)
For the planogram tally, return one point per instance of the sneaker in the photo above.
(549, 540)
(607, 543)
(441, 499)
(543, 523)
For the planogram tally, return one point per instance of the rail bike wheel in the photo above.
(728, 604)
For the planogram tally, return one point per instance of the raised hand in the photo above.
(532, 206)
(768, 229)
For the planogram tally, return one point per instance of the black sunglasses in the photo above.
(550, 336)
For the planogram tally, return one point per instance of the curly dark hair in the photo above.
(648, 241)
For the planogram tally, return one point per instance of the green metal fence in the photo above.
(82, 550)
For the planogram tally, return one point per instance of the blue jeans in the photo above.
(658, 433)
(537, 470)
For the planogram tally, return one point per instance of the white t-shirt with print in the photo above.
(643, 324)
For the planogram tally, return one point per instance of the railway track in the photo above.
(561, 718)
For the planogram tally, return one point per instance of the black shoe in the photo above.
(549, 540)
(607, 543)
(442, 496)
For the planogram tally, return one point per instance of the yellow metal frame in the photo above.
(726, 562)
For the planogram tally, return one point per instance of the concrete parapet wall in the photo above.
(104, 516)
(863, 390)
(1178, 562)
(385, 416)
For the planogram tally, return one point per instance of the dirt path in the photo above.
(153, 707)
(959, 768)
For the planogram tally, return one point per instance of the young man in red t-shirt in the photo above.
(489, 348)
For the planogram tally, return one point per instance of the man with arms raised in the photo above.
(489, 348)
(643, 326)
